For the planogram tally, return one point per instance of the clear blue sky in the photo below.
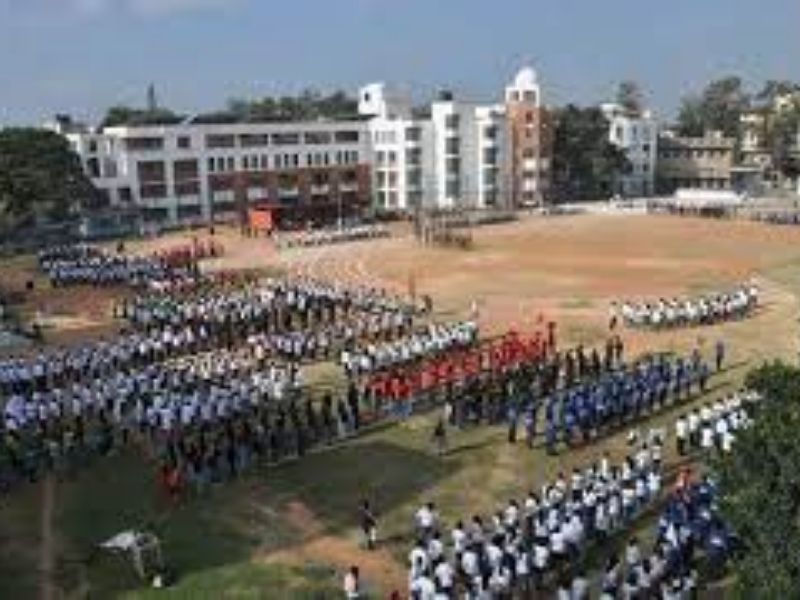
(81, 56)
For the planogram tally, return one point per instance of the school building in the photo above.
(192, 172)
(451, 154)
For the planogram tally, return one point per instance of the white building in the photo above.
(446, 159)
(637, 135)
(457, 155)
(184, 173)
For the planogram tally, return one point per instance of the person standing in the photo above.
(352, 584)
(682, 434)
(440, 437)
(369, 525)
(720, 354)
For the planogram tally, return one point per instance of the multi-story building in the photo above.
(398, 139)
(450, 157)
(196, 172)
(459, 154)
(694, 162)
(636, 134)
(529, 141)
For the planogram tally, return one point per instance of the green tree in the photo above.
(691, 119)
(630, 96)
(309, 105)
(40, 178)
(719, 108)
(760, 488)
(126, 115)
(773, 88)
(586, 165)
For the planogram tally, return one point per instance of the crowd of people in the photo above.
(205, 417)
(81, 264)
(538, 542)
(326, 237)
(730, 305)
(433, 340)
(207, 387)
(712, 427)
(580, 413)
(778, 218)
(507, 356)
(281, 302)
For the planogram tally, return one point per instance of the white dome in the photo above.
(525, 79)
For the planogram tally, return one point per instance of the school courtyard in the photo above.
(291, 531)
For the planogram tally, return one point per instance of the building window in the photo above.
(144, 144)
(490, 132)
(231, 164)
(220, 141)
(93, 168)
(211, 165)
(452, 121)
(317, 137)
(347, 136)
(125, 195)
(452, 189)
(413, 134)
(451, 145)
(220, 164)
(529, 116)
(285, 139)
(253, 140)
(530, 96)
(92, 146)
(184, 142)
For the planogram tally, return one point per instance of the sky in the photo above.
(81, 56)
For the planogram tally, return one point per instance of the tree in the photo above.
(309, 105)
(774, 88)
(691, 119)
(718, 108)
(126, 115)
(630, 96)
(40, 178)
(586, 164)
(759, 485)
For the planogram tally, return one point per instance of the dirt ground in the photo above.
(570, 269)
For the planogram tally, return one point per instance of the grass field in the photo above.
(290, 531)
